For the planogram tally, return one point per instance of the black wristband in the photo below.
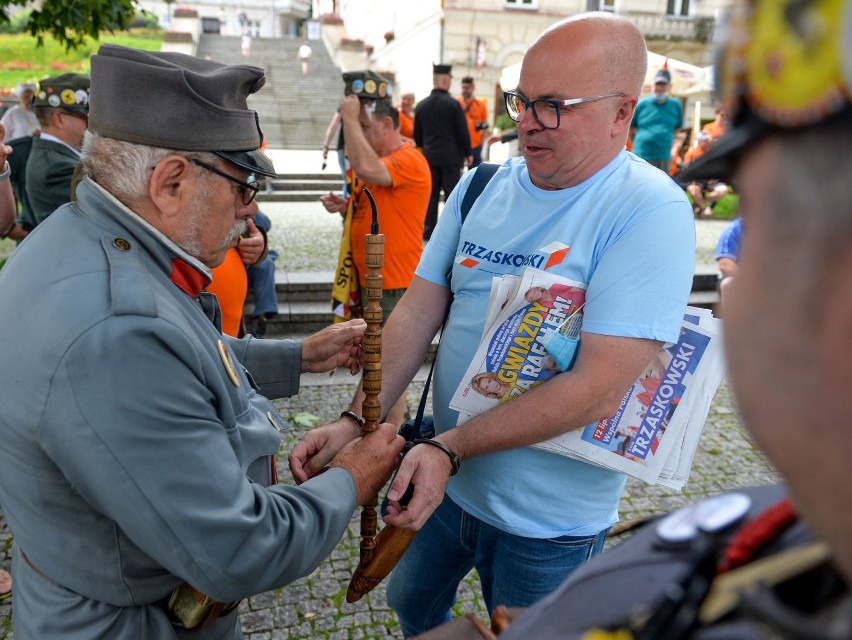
(354, 416)
(455, 461)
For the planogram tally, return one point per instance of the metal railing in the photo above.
(656, 26)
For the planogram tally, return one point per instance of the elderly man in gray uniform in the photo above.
(136, 450)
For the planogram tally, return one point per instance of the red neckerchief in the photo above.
(189, 280)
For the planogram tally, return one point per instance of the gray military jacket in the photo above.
(134, 452)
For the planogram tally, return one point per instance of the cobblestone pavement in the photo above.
(315, 606)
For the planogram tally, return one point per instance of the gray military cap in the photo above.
(176, 101)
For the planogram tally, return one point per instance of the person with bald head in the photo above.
(522, 517)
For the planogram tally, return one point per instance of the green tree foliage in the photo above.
(70, 22)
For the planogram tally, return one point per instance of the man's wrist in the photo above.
(9, 231)
(353, 417)
(455, 460)
(6, 172)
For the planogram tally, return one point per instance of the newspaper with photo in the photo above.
(653, 435)
(511, 357)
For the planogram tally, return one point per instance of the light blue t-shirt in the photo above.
(631, 238)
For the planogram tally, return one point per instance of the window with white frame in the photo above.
(678, 8)
(520, 4)
(601, 5)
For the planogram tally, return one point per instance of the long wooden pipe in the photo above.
(378, 554)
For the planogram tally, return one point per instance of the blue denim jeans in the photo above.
(262, 280)
(513, 570)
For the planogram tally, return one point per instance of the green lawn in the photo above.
(22, 60)
(726, 208)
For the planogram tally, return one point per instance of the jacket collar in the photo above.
(186, 272)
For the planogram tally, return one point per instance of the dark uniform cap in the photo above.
(778, 68)
(70, 91)
(176, 101)
(438, 69)
(366, 84)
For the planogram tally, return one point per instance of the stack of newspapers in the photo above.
(654, 434)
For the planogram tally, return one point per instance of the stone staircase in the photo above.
(304, 300)
(300, 187)
(294, 109)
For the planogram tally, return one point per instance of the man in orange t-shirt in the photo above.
(400, 181)
(716, 128)
(476, 114)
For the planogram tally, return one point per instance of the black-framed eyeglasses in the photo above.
(546, 111)
(248, 190)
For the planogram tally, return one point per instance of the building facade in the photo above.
(481, 38)
(258, 18)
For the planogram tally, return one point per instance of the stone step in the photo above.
(293, 196)
(304, 299)
(334, 182)
(301, 286)
(294, 110)
(300, 187)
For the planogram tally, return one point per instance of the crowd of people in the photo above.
(137, 404)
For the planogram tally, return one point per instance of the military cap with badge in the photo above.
(69, 91)
(366, 84)
(782, 66)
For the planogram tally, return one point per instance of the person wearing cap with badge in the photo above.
(19, 120)
(655, 121)
(440, 130)
(397, 175)
(61, 104)
(137, 470)
(786, 315)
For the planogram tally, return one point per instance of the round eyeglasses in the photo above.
(248, 190)
(546, 111)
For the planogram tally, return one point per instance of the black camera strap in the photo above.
(413, 430)
(484, 173)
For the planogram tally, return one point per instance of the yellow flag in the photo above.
(345, 294)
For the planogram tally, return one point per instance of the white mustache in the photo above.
(236, 231)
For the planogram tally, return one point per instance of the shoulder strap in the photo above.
(484, 173)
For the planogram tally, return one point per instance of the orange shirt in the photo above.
(230, 284)
(402, 213)
(714, 129)
(406, 125)
(693, 153)
(475, 112)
